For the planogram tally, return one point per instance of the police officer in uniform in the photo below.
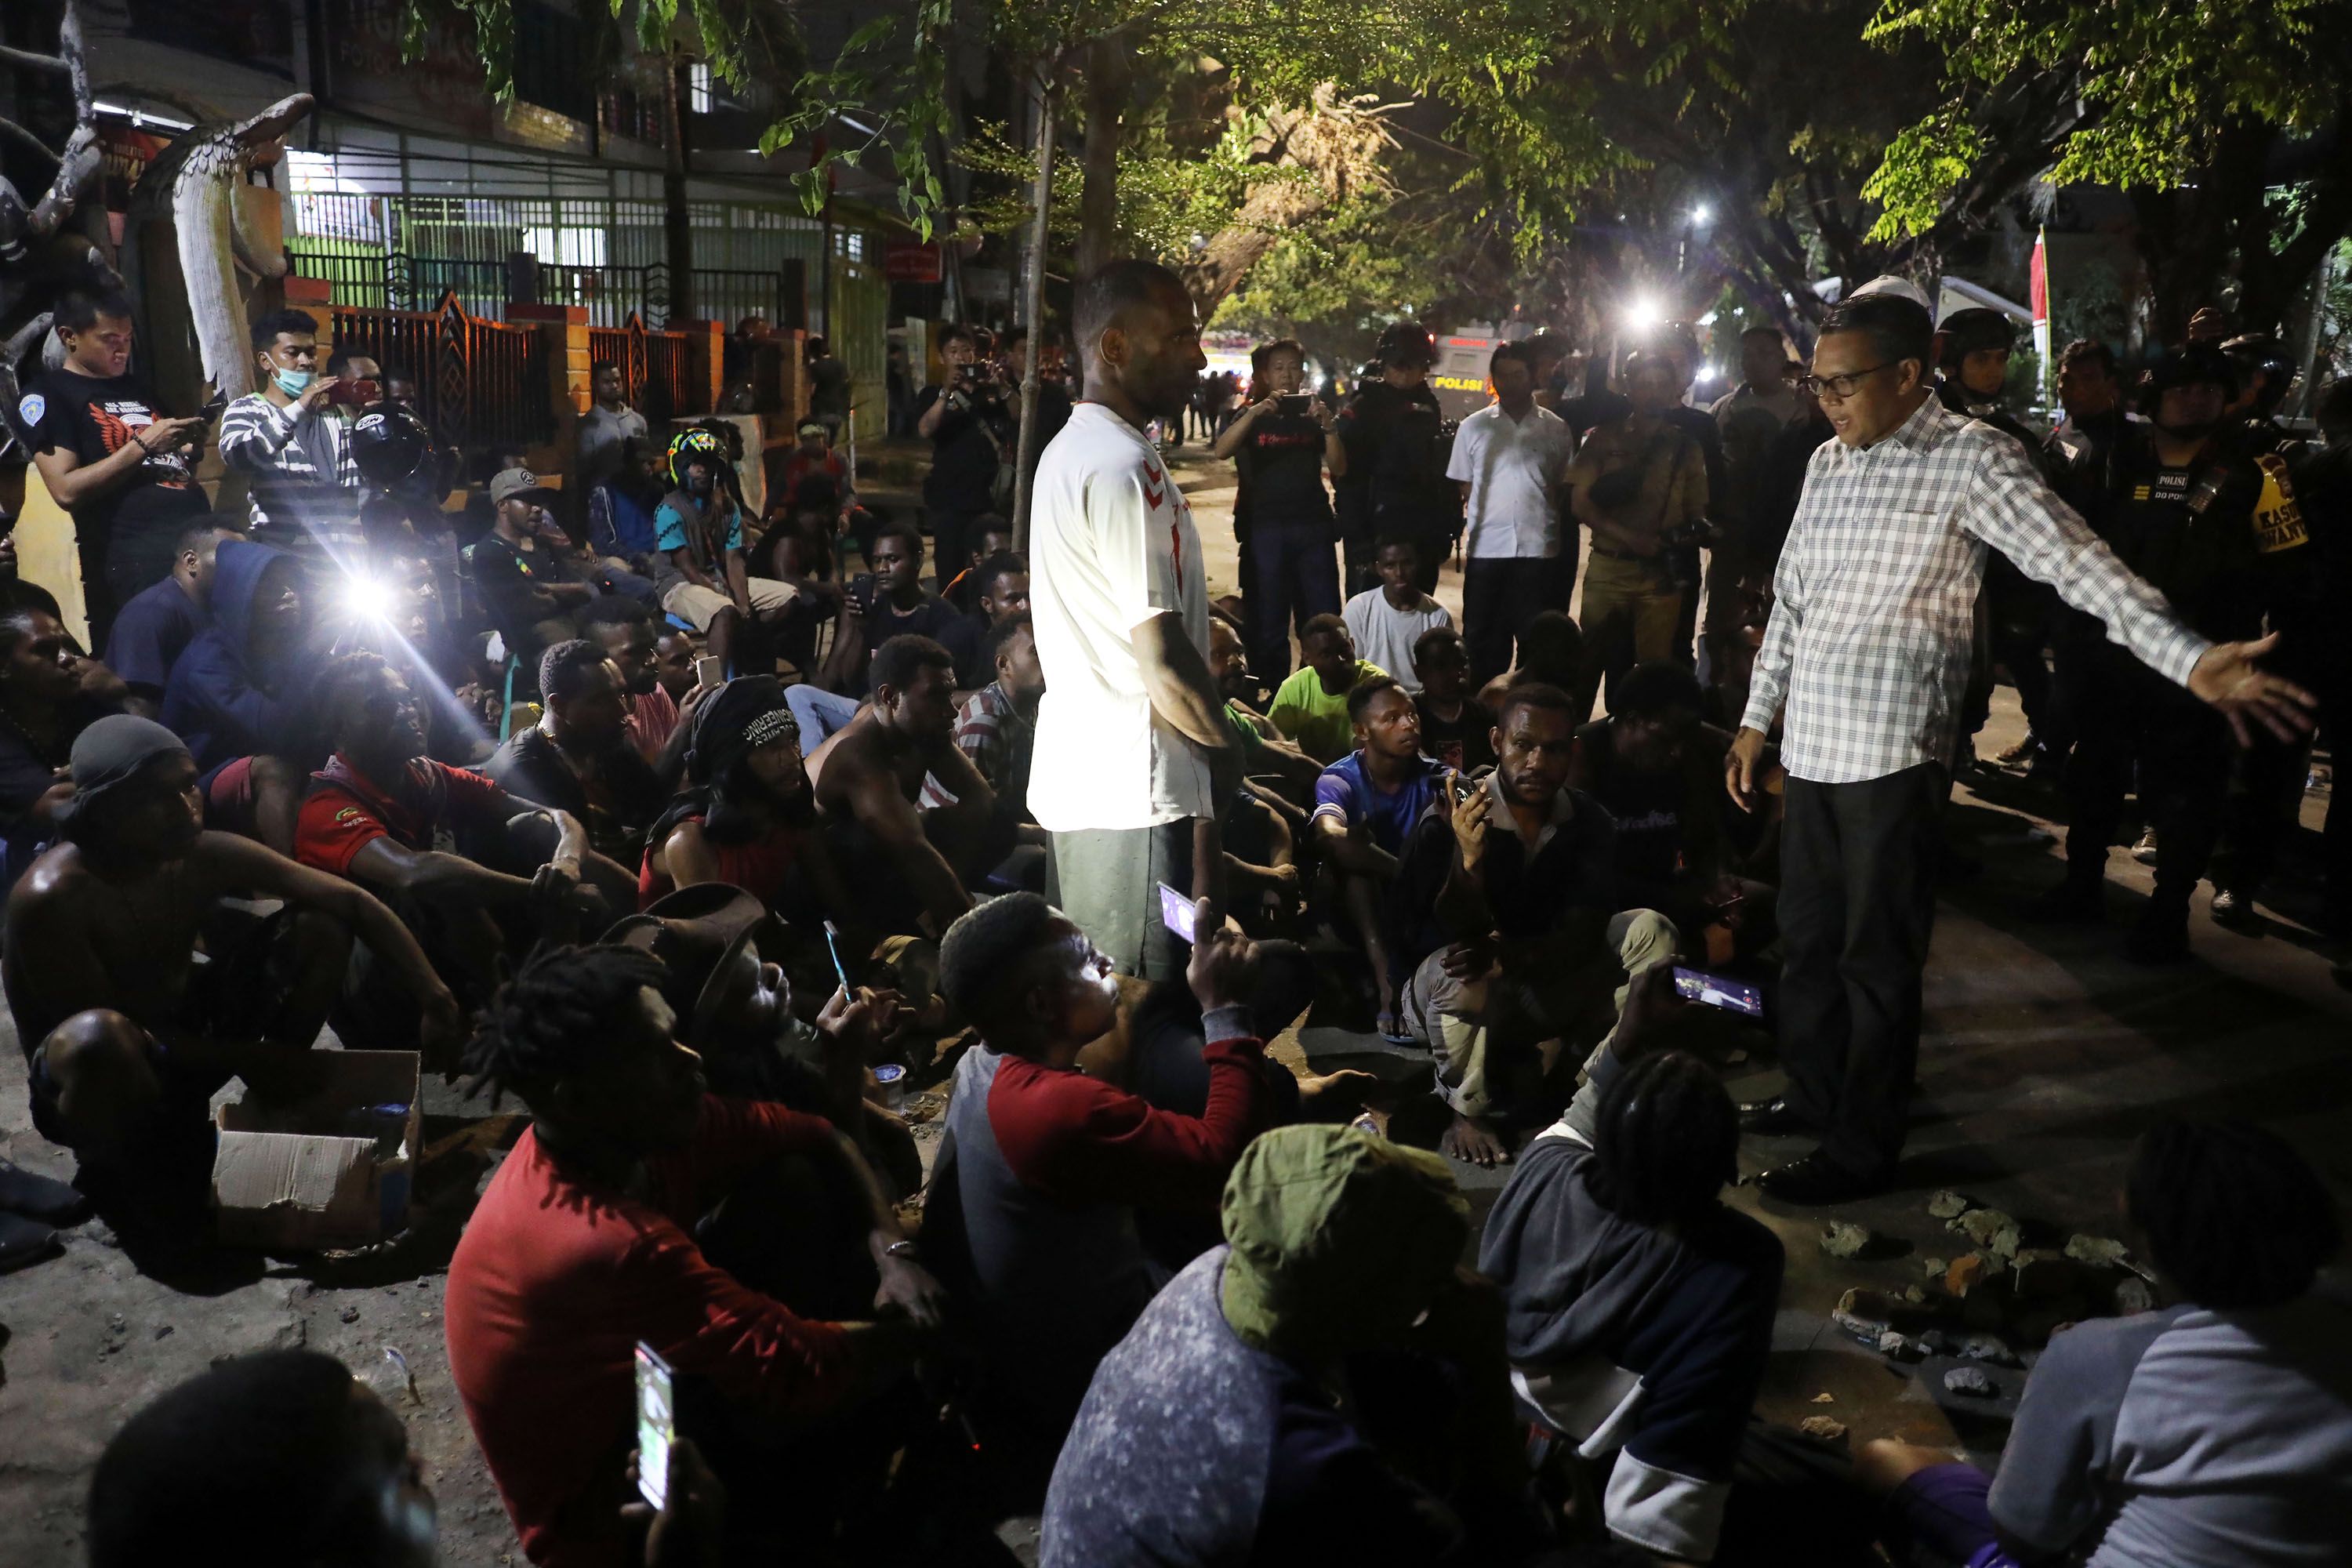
(2268, 791)
(1398, 441)
(2177, 505)
(2014, 614)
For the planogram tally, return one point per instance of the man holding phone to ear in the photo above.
(295, 453)
(126, 473)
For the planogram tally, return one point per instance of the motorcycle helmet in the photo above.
(2186, 366)
(1974, 331)
(1405, 343)
(2259, 353)
(389, 444)
(695, 442)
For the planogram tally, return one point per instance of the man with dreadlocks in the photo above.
(748, 815)
(638, 1208)
(1639, 1308)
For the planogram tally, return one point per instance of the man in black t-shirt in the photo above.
(964, 421)
(109, 457)
(1282, 515)
(1397, 444)
(892, 602)
(1455, 727)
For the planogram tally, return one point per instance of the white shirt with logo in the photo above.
(1511, 467)
(1111, 547)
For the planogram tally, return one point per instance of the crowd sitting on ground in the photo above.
(713, 840)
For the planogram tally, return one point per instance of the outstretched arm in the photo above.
(241, 862)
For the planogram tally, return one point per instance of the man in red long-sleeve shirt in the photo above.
(591, 1237)
(1038, 1183)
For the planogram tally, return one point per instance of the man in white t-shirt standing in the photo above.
(1132, 727)
(1508, 459)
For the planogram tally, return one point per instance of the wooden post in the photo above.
(706, 353)
(569, 391)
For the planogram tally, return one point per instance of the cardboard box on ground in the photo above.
(333, 1171)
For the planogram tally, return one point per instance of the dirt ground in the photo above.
(2045, 1053)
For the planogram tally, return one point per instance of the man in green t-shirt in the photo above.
(1311, 707)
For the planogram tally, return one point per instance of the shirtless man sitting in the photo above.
(868, 775)
(127, 1037)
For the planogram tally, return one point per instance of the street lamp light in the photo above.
(1643, 314)
(1700, 213)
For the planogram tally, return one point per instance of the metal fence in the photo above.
(654, 366)
(481, 382)
(395, 280)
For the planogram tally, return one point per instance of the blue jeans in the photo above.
(1293, 576)
(818, 712)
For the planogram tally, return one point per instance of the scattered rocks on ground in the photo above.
(1825, 1398)
(1986, 1348)
(1915, 1296)
(1863, 1302)
(2043, 1274)
(2100, 1251)
(1947, 1205)
(1970, 1380)
(1822, 1427)
(1968, 1271)
(1936, 1268)
(1842, 1238)
(349, 1314)
(2132, 1294)
(1991, 1229)
(1936, 1341)
(1898, 1347)
(1863, 1329)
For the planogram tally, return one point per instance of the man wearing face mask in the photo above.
(295, 453)
(2177, 508)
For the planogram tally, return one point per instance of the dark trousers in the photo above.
(2271, 773)
(1292, 575)
(2125, 715)
(1500, 595)
(953, 535)
(1857, 907)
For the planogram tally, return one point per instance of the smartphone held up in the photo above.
(656, 1424)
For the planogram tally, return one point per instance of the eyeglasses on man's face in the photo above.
(1838, 388)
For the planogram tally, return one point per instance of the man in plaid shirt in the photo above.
(1868, 649)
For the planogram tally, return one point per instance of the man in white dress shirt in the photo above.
(1869, 648)
(1508, 457)
(1131, 726)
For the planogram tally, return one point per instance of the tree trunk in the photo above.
(2187, 237)
(676, 227)
(1109, 74)
(1033, 306)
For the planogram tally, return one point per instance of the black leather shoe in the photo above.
(1772, 1118)
(1816, 1179)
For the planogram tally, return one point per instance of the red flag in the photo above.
(2041, 297)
